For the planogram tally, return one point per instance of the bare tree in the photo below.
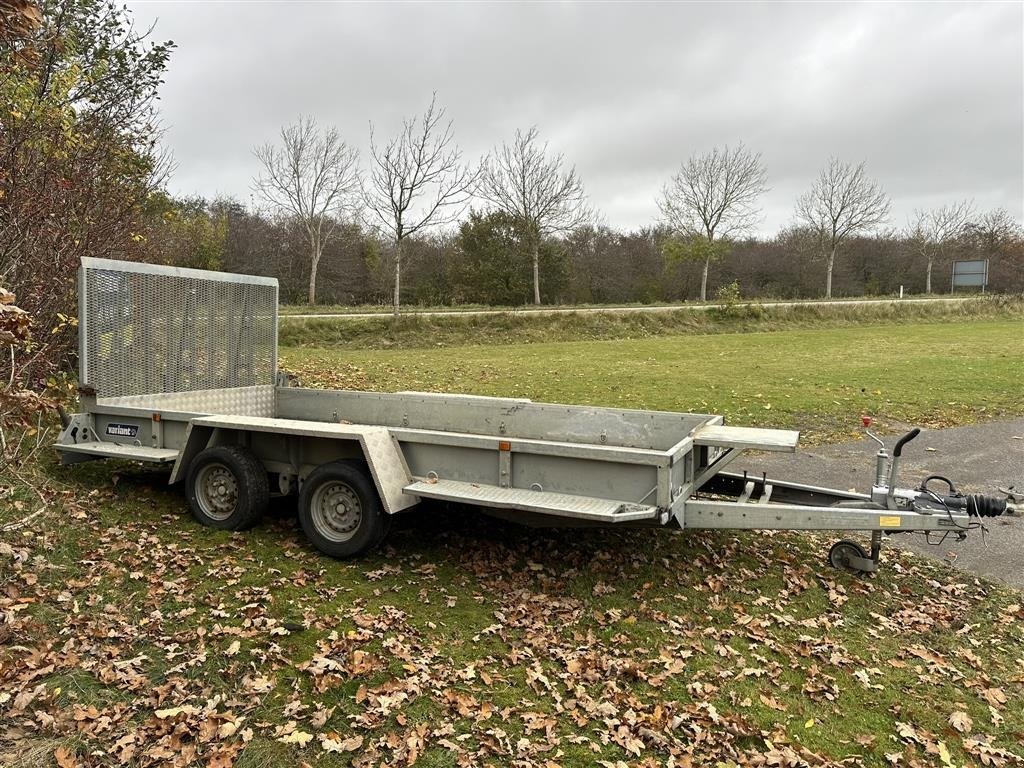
(933, 231)
(843, 202)
(418, 181)
(527, 183)
(714, 195)
(313, 175)
(993, 229)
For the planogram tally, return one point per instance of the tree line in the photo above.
(526, 201)
(483, 260)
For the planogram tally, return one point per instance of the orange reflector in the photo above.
(504, 445)
(156, 417)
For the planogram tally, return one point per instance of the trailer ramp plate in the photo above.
(121, 451)
(543, 502)
(747, 437)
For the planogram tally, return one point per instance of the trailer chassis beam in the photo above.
(799, 517)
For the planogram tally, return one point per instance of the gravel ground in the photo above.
(978, 459)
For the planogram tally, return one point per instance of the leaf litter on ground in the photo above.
(132, 636)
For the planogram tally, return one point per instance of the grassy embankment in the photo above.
(412, 309)
(130, 634)
(418, 331)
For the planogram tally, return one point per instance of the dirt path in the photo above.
(978, 459)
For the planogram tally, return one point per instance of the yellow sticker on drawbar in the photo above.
(889, 521)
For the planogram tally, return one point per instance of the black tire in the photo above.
(227, 488)
(839, 554)
(340, 511)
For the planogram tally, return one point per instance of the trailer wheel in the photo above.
(340, 511)
(227, 488)
(839, 556)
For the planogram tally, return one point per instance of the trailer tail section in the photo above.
(178, 367)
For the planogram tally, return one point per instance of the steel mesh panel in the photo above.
(150, 330)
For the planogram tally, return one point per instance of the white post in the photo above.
(901, 291)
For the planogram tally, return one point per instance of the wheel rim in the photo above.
(336, 511)
(841, 555)
(217, 491)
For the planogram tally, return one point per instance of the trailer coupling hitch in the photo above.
(924, 498)
(974, 504)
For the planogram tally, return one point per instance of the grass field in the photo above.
(817, 380)
(131, 635)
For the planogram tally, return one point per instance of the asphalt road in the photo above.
(569, 310)
(978, 459)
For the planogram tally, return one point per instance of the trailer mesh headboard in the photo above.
(177, 339)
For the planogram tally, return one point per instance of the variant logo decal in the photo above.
(122, 430)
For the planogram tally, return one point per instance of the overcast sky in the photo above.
(931, 95)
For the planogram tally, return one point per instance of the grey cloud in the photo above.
(931, 95)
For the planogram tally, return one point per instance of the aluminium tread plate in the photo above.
(543, 502)
(747, 437)
(388, 467)
(121, 451)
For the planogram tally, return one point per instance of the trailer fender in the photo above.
(196, 439)
(378, 446)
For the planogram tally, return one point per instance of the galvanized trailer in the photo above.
(178, 368)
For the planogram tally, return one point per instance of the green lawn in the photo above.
(130, 635)
(816, 380)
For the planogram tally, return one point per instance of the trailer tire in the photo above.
(340, 511)
(227, 488)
